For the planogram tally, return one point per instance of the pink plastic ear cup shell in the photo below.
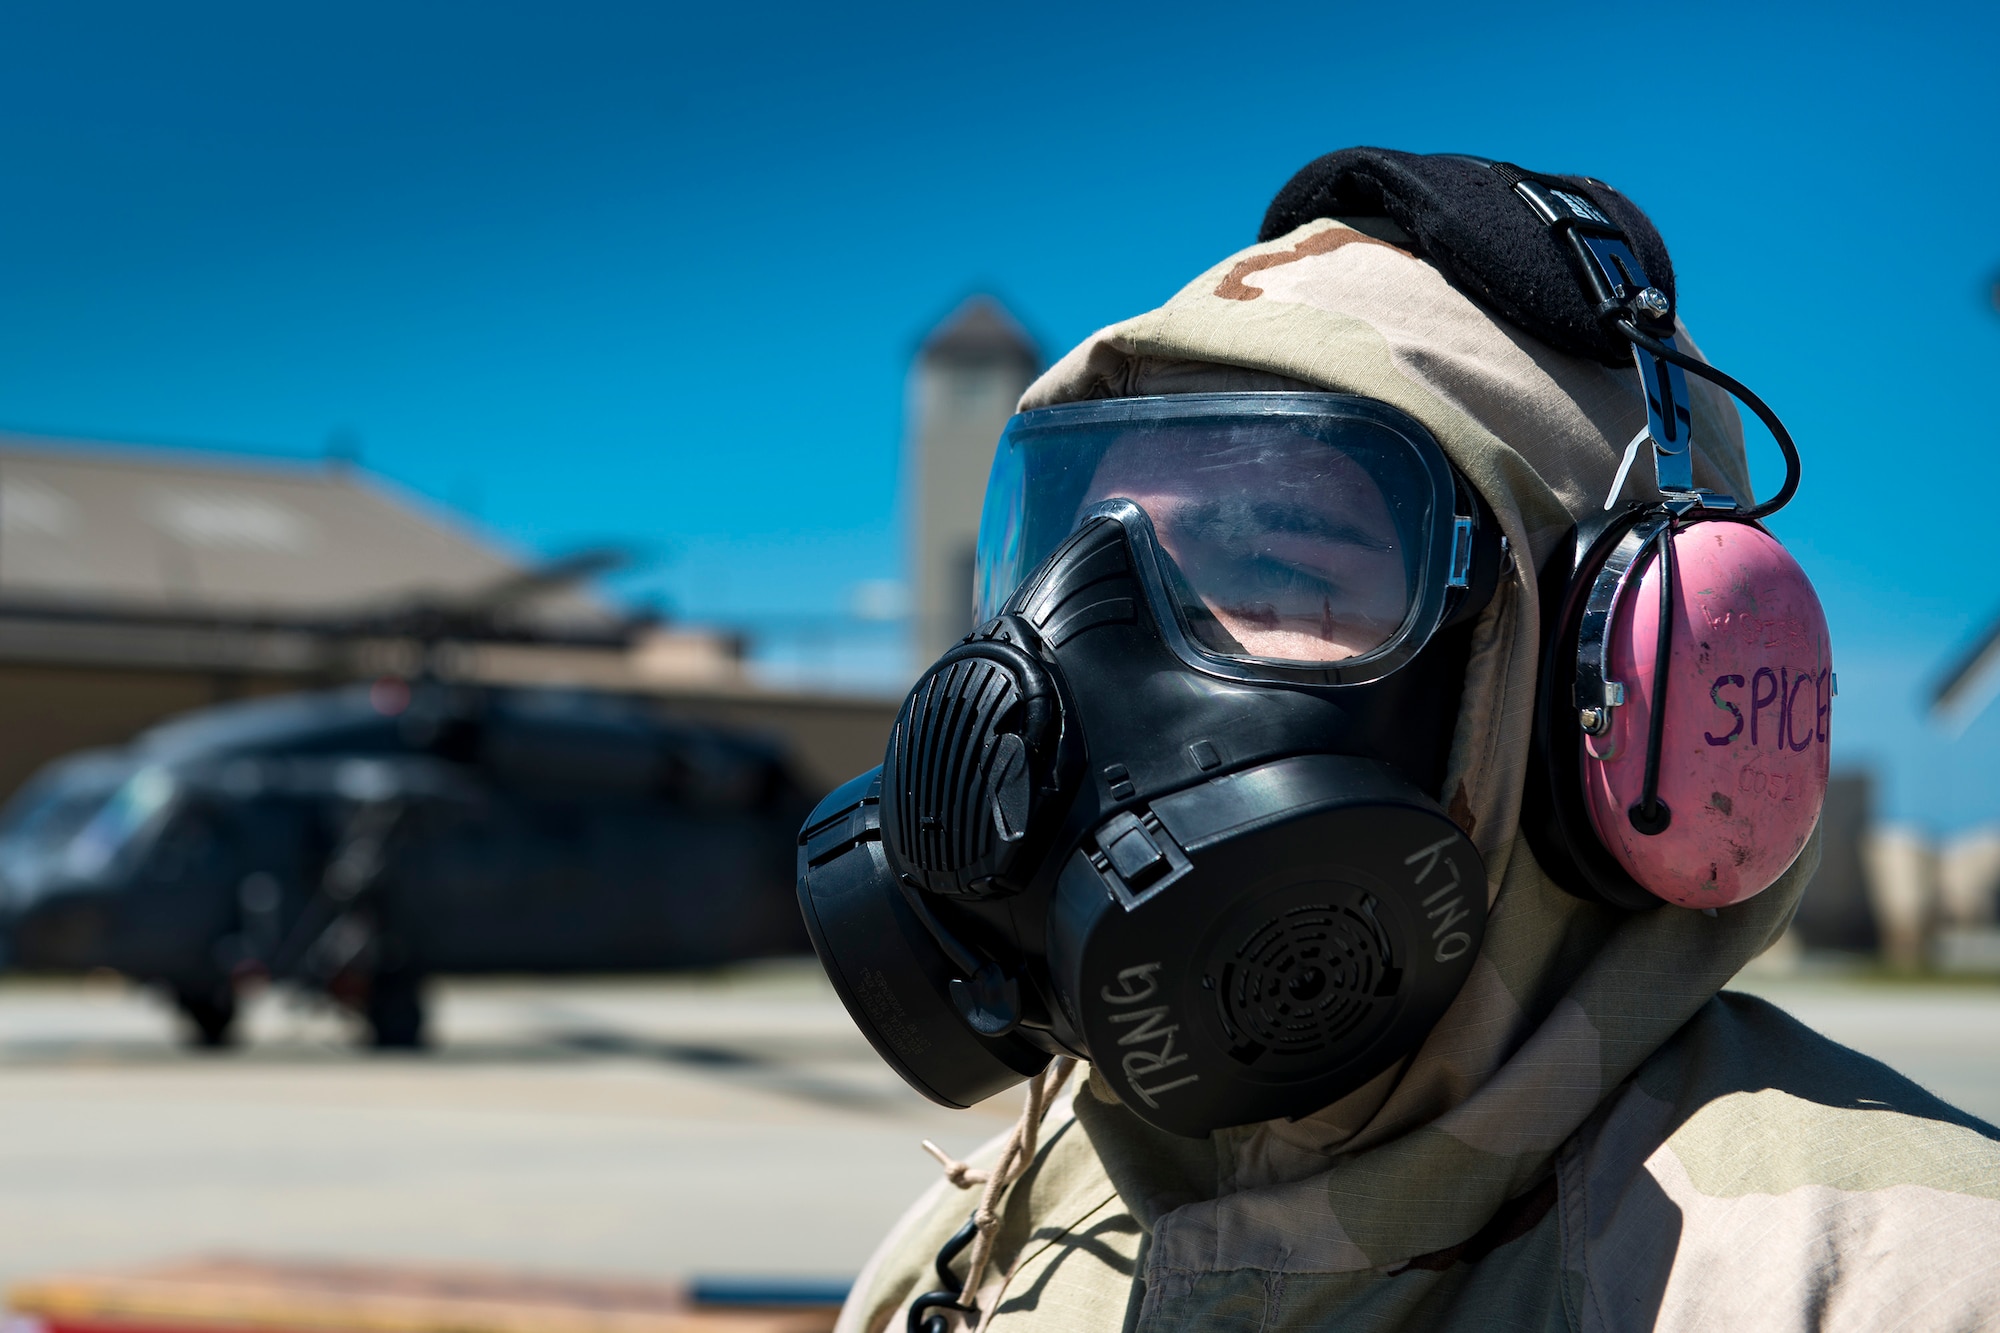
(1743, 763)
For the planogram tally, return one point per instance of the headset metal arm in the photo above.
(1596, 693)
(1618, 281)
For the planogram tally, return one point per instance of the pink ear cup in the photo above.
(1743, 762)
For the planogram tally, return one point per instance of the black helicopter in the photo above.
(357, 840)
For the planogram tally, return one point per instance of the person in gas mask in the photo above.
(1387, 730)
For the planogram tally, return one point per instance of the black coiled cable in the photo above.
(921, 1320)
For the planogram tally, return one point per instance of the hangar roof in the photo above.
(118, 528)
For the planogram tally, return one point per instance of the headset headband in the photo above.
(1567, 258)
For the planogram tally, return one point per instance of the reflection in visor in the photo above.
(1285, 548)
(1292, 537)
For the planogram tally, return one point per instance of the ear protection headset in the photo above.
(1683, 709)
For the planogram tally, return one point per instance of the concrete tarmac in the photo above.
(712, 1126)
(657, 1128)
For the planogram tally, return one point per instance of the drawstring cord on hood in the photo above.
(1017, 1153)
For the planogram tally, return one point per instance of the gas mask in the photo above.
(1172, 806)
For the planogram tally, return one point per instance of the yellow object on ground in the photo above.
(248, 1296)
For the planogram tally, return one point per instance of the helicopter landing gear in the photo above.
(394, 1009)
(210, 1011)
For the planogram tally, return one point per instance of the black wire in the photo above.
(1663, 648)
(1742, 392)
(952, 1248)
(946, 1297)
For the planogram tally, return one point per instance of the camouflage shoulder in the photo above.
(1066, 1179)
(1753, 1173)
(901, 1265)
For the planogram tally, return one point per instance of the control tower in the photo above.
(968, 375)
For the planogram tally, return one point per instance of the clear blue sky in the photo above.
(636, 271)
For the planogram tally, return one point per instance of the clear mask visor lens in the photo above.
(1289, 537)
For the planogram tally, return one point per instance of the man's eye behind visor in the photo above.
(1292, 529)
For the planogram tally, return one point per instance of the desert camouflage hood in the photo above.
(1567, 999)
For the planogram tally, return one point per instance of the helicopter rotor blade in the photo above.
(1970, 683)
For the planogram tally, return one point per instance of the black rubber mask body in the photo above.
(1238, 900)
